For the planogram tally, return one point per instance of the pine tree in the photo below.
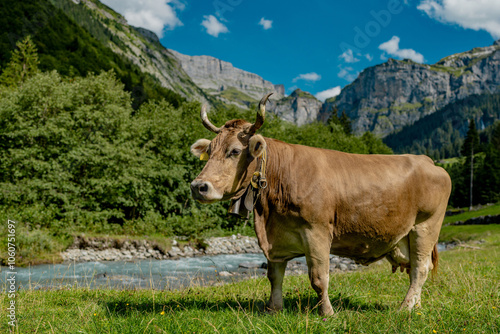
(469, 148)
(333, 120)
(489, 175)
(23, 64)
(345, 121)
(471, 143)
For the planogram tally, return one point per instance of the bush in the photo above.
(76, 157)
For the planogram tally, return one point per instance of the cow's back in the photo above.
(367, 203)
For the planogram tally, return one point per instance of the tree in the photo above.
(333, 120)
(471, 143)
(489, 174)
(374, 144)
(345, 121)
(23, 64)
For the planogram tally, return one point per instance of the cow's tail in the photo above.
(435, 261)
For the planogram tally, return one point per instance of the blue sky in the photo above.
(317, 46)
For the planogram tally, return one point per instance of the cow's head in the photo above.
(231, 157)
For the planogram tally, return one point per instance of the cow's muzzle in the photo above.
(204, 192)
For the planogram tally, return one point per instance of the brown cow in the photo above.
(316, 202)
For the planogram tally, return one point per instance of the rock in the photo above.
(299, 108)
(252, 265)
(174, 252)
(215, 76)
(225, 273)
(386, 97)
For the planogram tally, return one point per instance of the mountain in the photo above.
(137, 45)
(78, 36)
(201, 78)
(221, 79)
(389, 96)
(441, 134)
(70, 39)
(299, 107)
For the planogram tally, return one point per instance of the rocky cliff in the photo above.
(383, 99)
(139, 45)
(386, 97)
(230, 84)
(299, 107)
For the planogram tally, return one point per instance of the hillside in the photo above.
(137, 45)
(441, 134)
(221, 79)
(389, 96)
(80, 36)
(299, 107)
(70, 48)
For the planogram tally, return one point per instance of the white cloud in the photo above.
(392, 48)
(308, 77)
(155, 15)
(347, 73)
(348, 56)
(322, 96)
(266, 24)
(214, 27)
(369, 57)
(471, 14)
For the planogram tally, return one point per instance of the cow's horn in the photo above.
(261, 113)
(206, 122)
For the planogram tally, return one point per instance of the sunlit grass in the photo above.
(488, 210)
(463, 298)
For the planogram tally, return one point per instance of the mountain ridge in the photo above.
(386, 97)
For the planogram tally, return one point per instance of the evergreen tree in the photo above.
(23, 64)
(469, 148)
(495, 138)
(345, 121)
(488, 183)
(333, 120)
(471, 143)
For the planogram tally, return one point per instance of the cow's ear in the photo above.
(256, 145)
(200, 148)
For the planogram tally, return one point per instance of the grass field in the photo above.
(463, 298)
(488, 210)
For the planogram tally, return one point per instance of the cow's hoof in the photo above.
(326, 312)
(272, 309)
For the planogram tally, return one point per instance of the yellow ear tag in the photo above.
(204, 156)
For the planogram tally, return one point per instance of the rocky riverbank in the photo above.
(86, 249)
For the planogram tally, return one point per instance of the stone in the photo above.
(252, 265)
(299, 108)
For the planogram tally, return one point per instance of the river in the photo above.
(158, 274)
(141, 274)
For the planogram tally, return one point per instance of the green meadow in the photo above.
(463, 298)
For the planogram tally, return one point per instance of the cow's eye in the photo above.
(235, 152)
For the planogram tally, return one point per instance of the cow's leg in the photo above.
(319, 274)
(317, 249)
(275, 274)
(423, 237)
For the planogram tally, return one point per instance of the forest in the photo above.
(77, 157)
